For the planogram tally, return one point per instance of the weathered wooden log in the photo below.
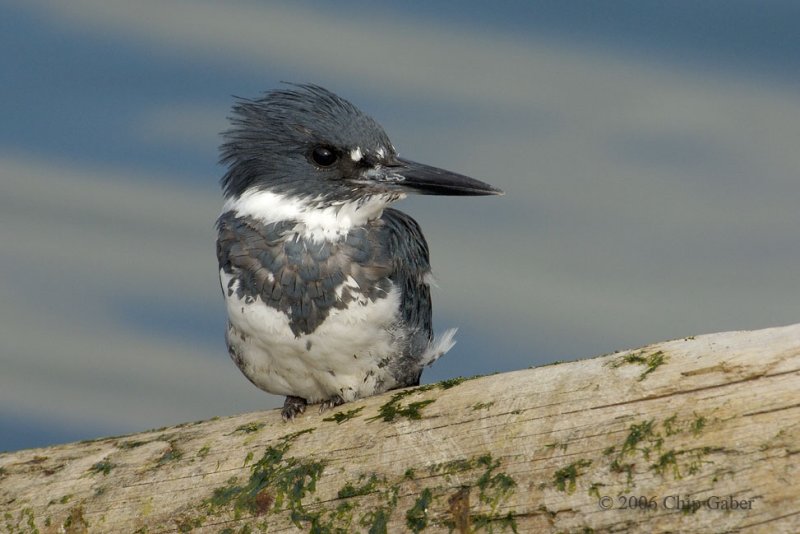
(695, 435)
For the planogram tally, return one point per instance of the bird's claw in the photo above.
(292, 407)
(333, 402)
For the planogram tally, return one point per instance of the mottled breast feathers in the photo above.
(306, 279)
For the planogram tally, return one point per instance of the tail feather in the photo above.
(439, 346)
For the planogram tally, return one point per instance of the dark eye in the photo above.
(324, 156)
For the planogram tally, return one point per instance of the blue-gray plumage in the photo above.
(326, 287)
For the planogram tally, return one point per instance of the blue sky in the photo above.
(649, 152)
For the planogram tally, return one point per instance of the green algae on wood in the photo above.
(275, 480)
(172, 454)
(451, 382)
(103, 467)
(131, 444)
(75, 523)
(394, 409)
(341, 417)
(649, 438)
(248, 428)
(25, 522)
(417, 515)
(565, 478)
(698, 424)
(493, 487)
(651, 362)
(488, 521)
(349, 490)
(203, 451)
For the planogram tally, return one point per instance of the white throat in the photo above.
(316, 221)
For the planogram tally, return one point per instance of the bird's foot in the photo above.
(292, 407)
(333, 402)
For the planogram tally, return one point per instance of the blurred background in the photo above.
(650, 152)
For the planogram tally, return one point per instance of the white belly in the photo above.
(345, 355)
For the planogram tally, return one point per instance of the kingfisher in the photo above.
(327, 288)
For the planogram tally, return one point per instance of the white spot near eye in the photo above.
(355, 154)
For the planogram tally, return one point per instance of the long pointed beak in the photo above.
(427, 180)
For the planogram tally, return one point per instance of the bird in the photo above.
(326, 286)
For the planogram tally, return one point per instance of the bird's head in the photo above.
(306, 142)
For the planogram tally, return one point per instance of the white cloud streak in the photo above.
(75, 241)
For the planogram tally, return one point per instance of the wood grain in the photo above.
(694, 435)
